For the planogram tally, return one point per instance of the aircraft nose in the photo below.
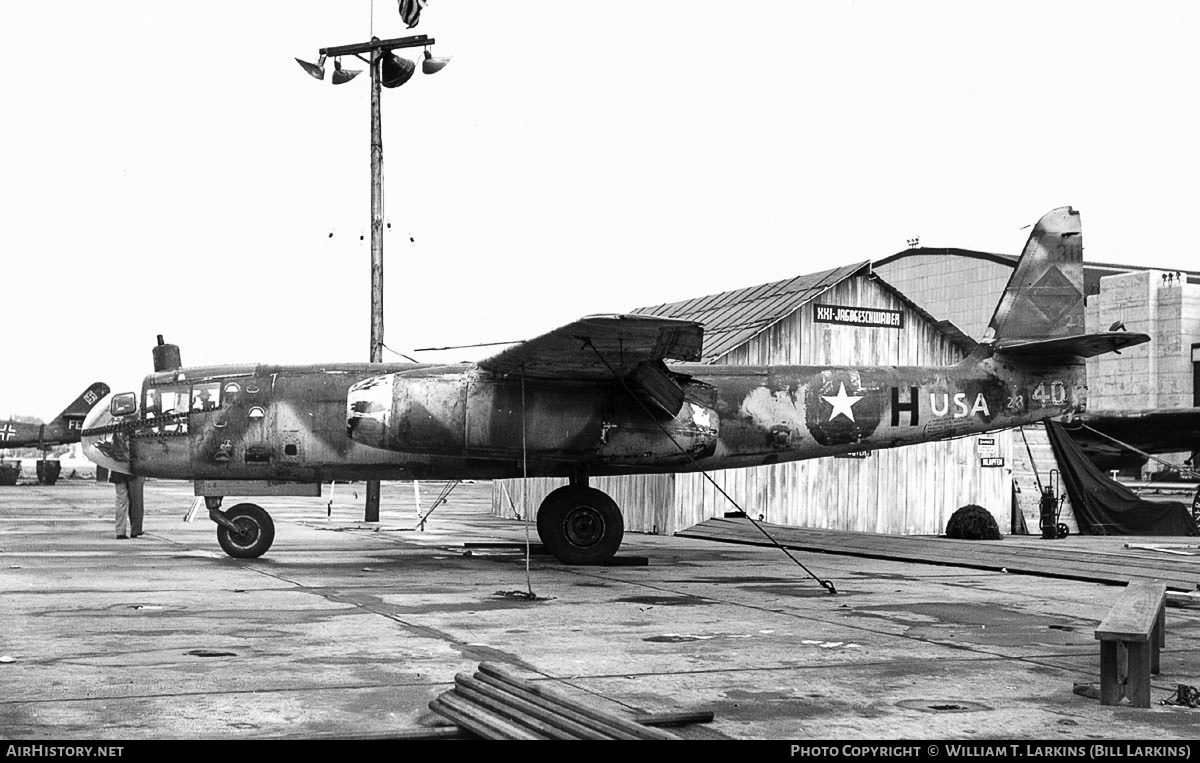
(105, 440)
(368, 410)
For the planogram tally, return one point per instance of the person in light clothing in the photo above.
(129, 508)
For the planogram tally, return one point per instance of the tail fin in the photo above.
(1044, 296)
(1041, 312)
(73, 415)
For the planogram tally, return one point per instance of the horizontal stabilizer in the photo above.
(1081, 346)
(600, 347)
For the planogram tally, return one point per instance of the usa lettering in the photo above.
(961, 409)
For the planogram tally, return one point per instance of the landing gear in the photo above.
(580, 525)
(246, 532)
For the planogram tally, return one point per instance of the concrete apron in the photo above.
(348, 629)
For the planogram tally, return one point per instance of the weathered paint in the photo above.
(759, 415)
(303, 423)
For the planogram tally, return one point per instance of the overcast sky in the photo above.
(168, 168)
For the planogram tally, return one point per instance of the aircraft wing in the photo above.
(1156, 430)
(600, 347)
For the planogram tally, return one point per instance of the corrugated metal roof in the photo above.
(732, 318)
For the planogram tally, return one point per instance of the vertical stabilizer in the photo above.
(1044, 297)
(78, 410)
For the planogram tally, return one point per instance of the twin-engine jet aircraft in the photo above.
(64, 429)
(593, 398)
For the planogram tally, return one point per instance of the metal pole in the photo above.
(376, 212)
(378, 49)
(371, 513)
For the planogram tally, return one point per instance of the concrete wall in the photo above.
(1158, 374)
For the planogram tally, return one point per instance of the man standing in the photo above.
(129, 507)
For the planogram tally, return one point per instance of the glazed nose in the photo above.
(105, 441)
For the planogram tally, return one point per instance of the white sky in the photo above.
(167, 168)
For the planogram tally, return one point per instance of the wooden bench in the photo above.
(1130, 637)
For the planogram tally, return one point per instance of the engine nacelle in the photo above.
(417, 413)
(482, 416)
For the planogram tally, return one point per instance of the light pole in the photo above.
(398, 71)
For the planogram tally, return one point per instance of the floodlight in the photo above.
(317, 70)
(342, 76)
(395, 71)
(432, 65)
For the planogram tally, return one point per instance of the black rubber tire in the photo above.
(580, 525)
(1063, 530)
(256, 536)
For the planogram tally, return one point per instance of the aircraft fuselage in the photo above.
(17, 434)
(391, 421)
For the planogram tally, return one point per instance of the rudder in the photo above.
(1044, 298)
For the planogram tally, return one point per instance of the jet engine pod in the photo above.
(369, 409)
(411, 412)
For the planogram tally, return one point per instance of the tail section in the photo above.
(1044, 296)
(71, 419)
(1041, 313)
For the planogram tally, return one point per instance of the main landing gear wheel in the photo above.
(254, 535)
(580, 525)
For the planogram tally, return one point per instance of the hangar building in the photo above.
(943, 300)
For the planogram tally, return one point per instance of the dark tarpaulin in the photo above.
(1105, 507)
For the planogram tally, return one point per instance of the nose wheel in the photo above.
(246, 531)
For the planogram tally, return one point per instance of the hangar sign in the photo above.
(859, 316)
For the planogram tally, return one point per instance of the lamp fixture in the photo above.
(340, 75)
(432, 65)
(317, 70)
(394, 71)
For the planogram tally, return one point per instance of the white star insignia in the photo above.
(843, 404)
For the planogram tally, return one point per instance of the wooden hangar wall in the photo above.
(910, 490)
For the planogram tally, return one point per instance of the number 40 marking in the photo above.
(1054, 393)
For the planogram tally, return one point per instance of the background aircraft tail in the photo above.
(1041, 313)
(73, 415)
